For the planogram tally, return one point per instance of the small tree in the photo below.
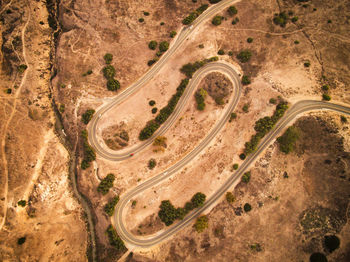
(250, 40)
(217, 20)
(172, 34)
(108, 58)
(152, 102)
(232, 10)
(22, 203)
(221, 52)
(163, 46)
(87, 116)
(153, 45)
(244, 56)
(235, 166)
(113, 84)
(247, 207)
(246, 80)
(230, 197)
(201, 224)
(152, 163)
(198, 200)
(246, 177)
(326, 97)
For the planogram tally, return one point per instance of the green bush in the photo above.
(146, 13)
(89, 72)
(22, 203)
(242, 156)
(214, 1)
(230, 197)
(232, 117)
(247, 207)
(148, 130)
(235, 166)
(152, 45)
(273, 101)
(307, 64)
(151, 62)
(217, 20)
(295, 19)
(106, 184)
(198, 200)
(235, 21)
(154, 110)
(152, 163)
(296, 42)
(172, 34)
(152, 102)
(201, 224)
(108, 58)
(108, 71)
(114, 239)
(232, 10)
(244, 56)
(246, 80)
(221, 52)
(325, 88)
(113, 84)
(326, 97)
(87, 116)
(230, 53)
(245, 108)
(246, 177)
(194, 14)
(343, 119)
(110, 206)
(163, 46)
(288, 139)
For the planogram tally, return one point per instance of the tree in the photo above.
(198, 199)
(113, 84)
(21, 240)
(152, 45)
(201, 224)
(167, 212)
(108, 58)
(154, 110)
(108, 71)
(152, 163)
(246, 177)
(87, 116)
(232, 116)
(217, 20)
(152, 102)
(163, 46)
(247, 207)
(221, 52)
(230, 197)
(245, 108)
(280, 19)
(106, 184)
(114, 239)
(232, 10)
(244, 56)
(172, 34)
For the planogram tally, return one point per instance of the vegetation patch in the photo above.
(246, 177)
(89, 153)
(190, 68)
(110, 206)
(331, 243)
(114, 239)
(87, 116)
(106, 184)
(230, 197)
(152, 163)
(194, 14)
(288, 139)
(201, 224)
(217, 20)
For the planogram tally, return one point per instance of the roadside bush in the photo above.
(273, 101)
(110, 206)
(108, 72)
(160, 141)
(331, 243)
(89, 153)
(193, 15)
(152, 163)
(114, 239)
(151, 62)
(106, 184)
(214, 1)
(232, 10)
(307, 64)
(230, 197)
(326, 97)
(87, 116)
(172, 34)
(113, 84)
(246, 80)
(148, 131)
(163, 46)
(152, 45)
(201, 224)
(217, 20)
(202, 8)
(343, 119)
(198, 200)
(245, 108)
(108, 58)
(242, 156)
(22, 203)
(246, 177)
(244, 56)
(200, 96)
(190, 68)
(152, 102)
(287, 140)
(247, 207)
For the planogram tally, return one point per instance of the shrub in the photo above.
(250, 40)
(326, 97)
(287, 140)
(273, 101)
(246, 177)
(230, 197)
(280, 19)
(214, 1)
(146, 13)
(200, 96)
(167, 212)
(244, 56)
(114, 239)
(190, 68)
(163, 46)
(113, 84)
(154, 110)
(87, 116)
(160, 141)
(133, 203)
(232, 116)
(246, 80)
(318, 257)
(8, 91)
(89, 72)
(235, 21)
(85, 164)
(21, 240)
(151, 62)
(245, 108)
(331, 243)
(235, 166)
(172, 34)
(217, 20)
(202, 8)
(152, 45)
(106, 184)
(141, 20)
(108, 58)
(232, 10)
(201, 224)
(110, 206)
(198, 200)
(190, 18)
(148, 131)
(159, 54)
(230, 53)
(242, 156)
(21, 68)
(152, 163)
(162, 23)
(221, 52)
(22, 203)
(296, 42)
(152, 102)
(247, 207)
(108, 71)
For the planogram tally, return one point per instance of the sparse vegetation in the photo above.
(200, 96)
(307, 64)
(152, 163)
(273, 101)
(113, 84)
(109, 207)
(108, 58)
(154, 110)
(235, 21)
(244, 56)
(230, 197)
(217, 20)
(87, 116)
(21, 240)
(146, 13)
(325, 88)
(221, 52)
(152, 102)
(106, 184)
(89, 72)
(246, 80)
(160, 141)
(296, 42)
(242, 156)
(114, 239)
(245, 108)
(343, 119)
(152, 45)
(263, 126)
(247, 207)
(246, 177)
(235, 166)
(22, 203)
(201, 224)
(287, 140)
(141, 19)
(318, 257)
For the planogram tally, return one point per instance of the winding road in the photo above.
(297, 109)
